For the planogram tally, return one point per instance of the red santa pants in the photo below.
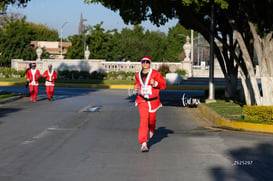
(147, 122)
(49, 91)
(33, 89)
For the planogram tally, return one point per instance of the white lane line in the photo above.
(41, 135)
(45, 133)
(85, 108)
(60, 129)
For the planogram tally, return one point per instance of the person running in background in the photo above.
(32, 77)
(50, 76)
(29, 67)
(148, 83)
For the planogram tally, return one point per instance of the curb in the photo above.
(235, 125)
(10, 99)
(111, 86)
(208, 113)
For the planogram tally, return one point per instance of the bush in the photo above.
(10, 72)
(164, 69)
(258, 113)
(80, 75)
(75, 74)
(64, 74)
(181, 72)
(120, 75)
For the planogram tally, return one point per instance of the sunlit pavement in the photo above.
(66, 139)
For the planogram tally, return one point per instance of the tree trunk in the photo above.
(267, 90)
(245, 88)
(231, 86)
(252, 84)
(229, 70)
(264, 49)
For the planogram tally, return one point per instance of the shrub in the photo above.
(75, 74)
(164, 69)
(258, 113)
(10, 72)
(181, 72)
(64, 74)
(84, 75)
(120, 75)
(97, 75)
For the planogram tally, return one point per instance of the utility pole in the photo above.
(211, 97)
(192, 52)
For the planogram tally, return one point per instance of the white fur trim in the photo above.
(154, 110)
(156, 84)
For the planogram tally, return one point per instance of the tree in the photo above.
(157, 46)
(76, 50)
(5, 3)
(99, 42)
(233, 17)
(15, 38)
(176, 40)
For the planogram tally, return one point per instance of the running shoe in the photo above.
(144, 147)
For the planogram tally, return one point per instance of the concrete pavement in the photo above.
(215, 120)
(67, 143)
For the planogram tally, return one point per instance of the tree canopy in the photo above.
(129, 44)
(5, 3)
(238, 25)
(15, 38)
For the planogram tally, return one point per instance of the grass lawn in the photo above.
(231, 110)
(226, 109)
(4, 95)
(16, 80)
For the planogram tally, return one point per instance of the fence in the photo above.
(102, 65)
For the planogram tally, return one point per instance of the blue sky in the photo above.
(54, 13)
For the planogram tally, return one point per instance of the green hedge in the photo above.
(84, 75)
(258, 113)
(6, 72)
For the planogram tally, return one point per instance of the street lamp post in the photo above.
(192, 53)
(211, 97)
(62, 39)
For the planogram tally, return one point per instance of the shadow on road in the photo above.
(6, 111)
(248, 164)
(173, 98)
(159, 134)
(166, 100)
(61, 92)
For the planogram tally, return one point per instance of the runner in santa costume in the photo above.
(32, 77)
(148, 82)
(50, 76)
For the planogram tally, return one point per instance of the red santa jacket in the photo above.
(33, 75)
(50, 77)
(147, 93)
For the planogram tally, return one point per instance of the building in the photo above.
(53, 48)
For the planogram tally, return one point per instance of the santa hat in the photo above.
(146, 58)
(33, 64)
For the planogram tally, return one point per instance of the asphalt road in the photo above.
(91, 135)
